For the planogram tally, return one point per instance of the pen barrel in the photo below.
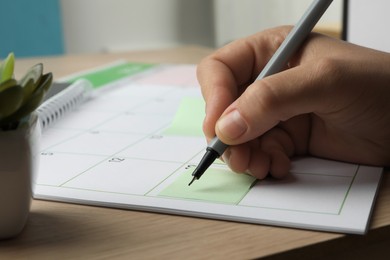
(295, 38)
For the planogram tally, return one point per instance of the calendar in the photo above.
(134, 142)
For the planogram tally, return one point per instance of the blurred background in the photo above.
(56, 27)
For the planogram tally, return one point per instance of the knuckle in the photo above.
(266, 98)
(328, 69)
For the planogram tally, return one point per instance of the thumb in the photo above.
(279, 97)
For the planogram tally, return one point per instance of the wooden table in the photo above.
(59, 230)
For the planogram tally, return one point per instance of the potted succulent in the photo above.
(19, 138)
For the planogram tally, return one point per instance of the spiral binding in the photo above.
(57, 106)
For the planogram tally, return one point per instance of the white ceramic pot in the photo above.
(18, 167)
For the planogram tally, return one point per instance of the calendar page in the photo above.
(135, 144)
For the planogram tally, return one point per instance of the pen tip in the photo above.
(193, 179)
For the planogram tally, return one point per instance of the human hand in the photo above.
(331, 101)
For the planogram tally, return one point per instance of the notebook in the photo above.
(134, 136)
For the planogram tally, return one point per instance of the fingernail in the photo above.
(226, 157)
(232, 125)
(249, 172)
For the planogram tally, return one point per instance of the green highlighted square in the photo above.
(216, 185)
(189, 118)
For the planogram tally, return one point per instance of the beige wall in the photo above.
(116, 25)
(235, 19)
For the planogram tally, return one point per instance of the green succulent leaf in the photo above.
(28, 89)
(10, 101)
(19, 98)
(34, 99)
(34, 74)
(29, 106)
(45, 81)
(7, 68)
(7, 84)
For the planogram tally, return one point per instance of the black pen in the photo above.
(288, 47)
